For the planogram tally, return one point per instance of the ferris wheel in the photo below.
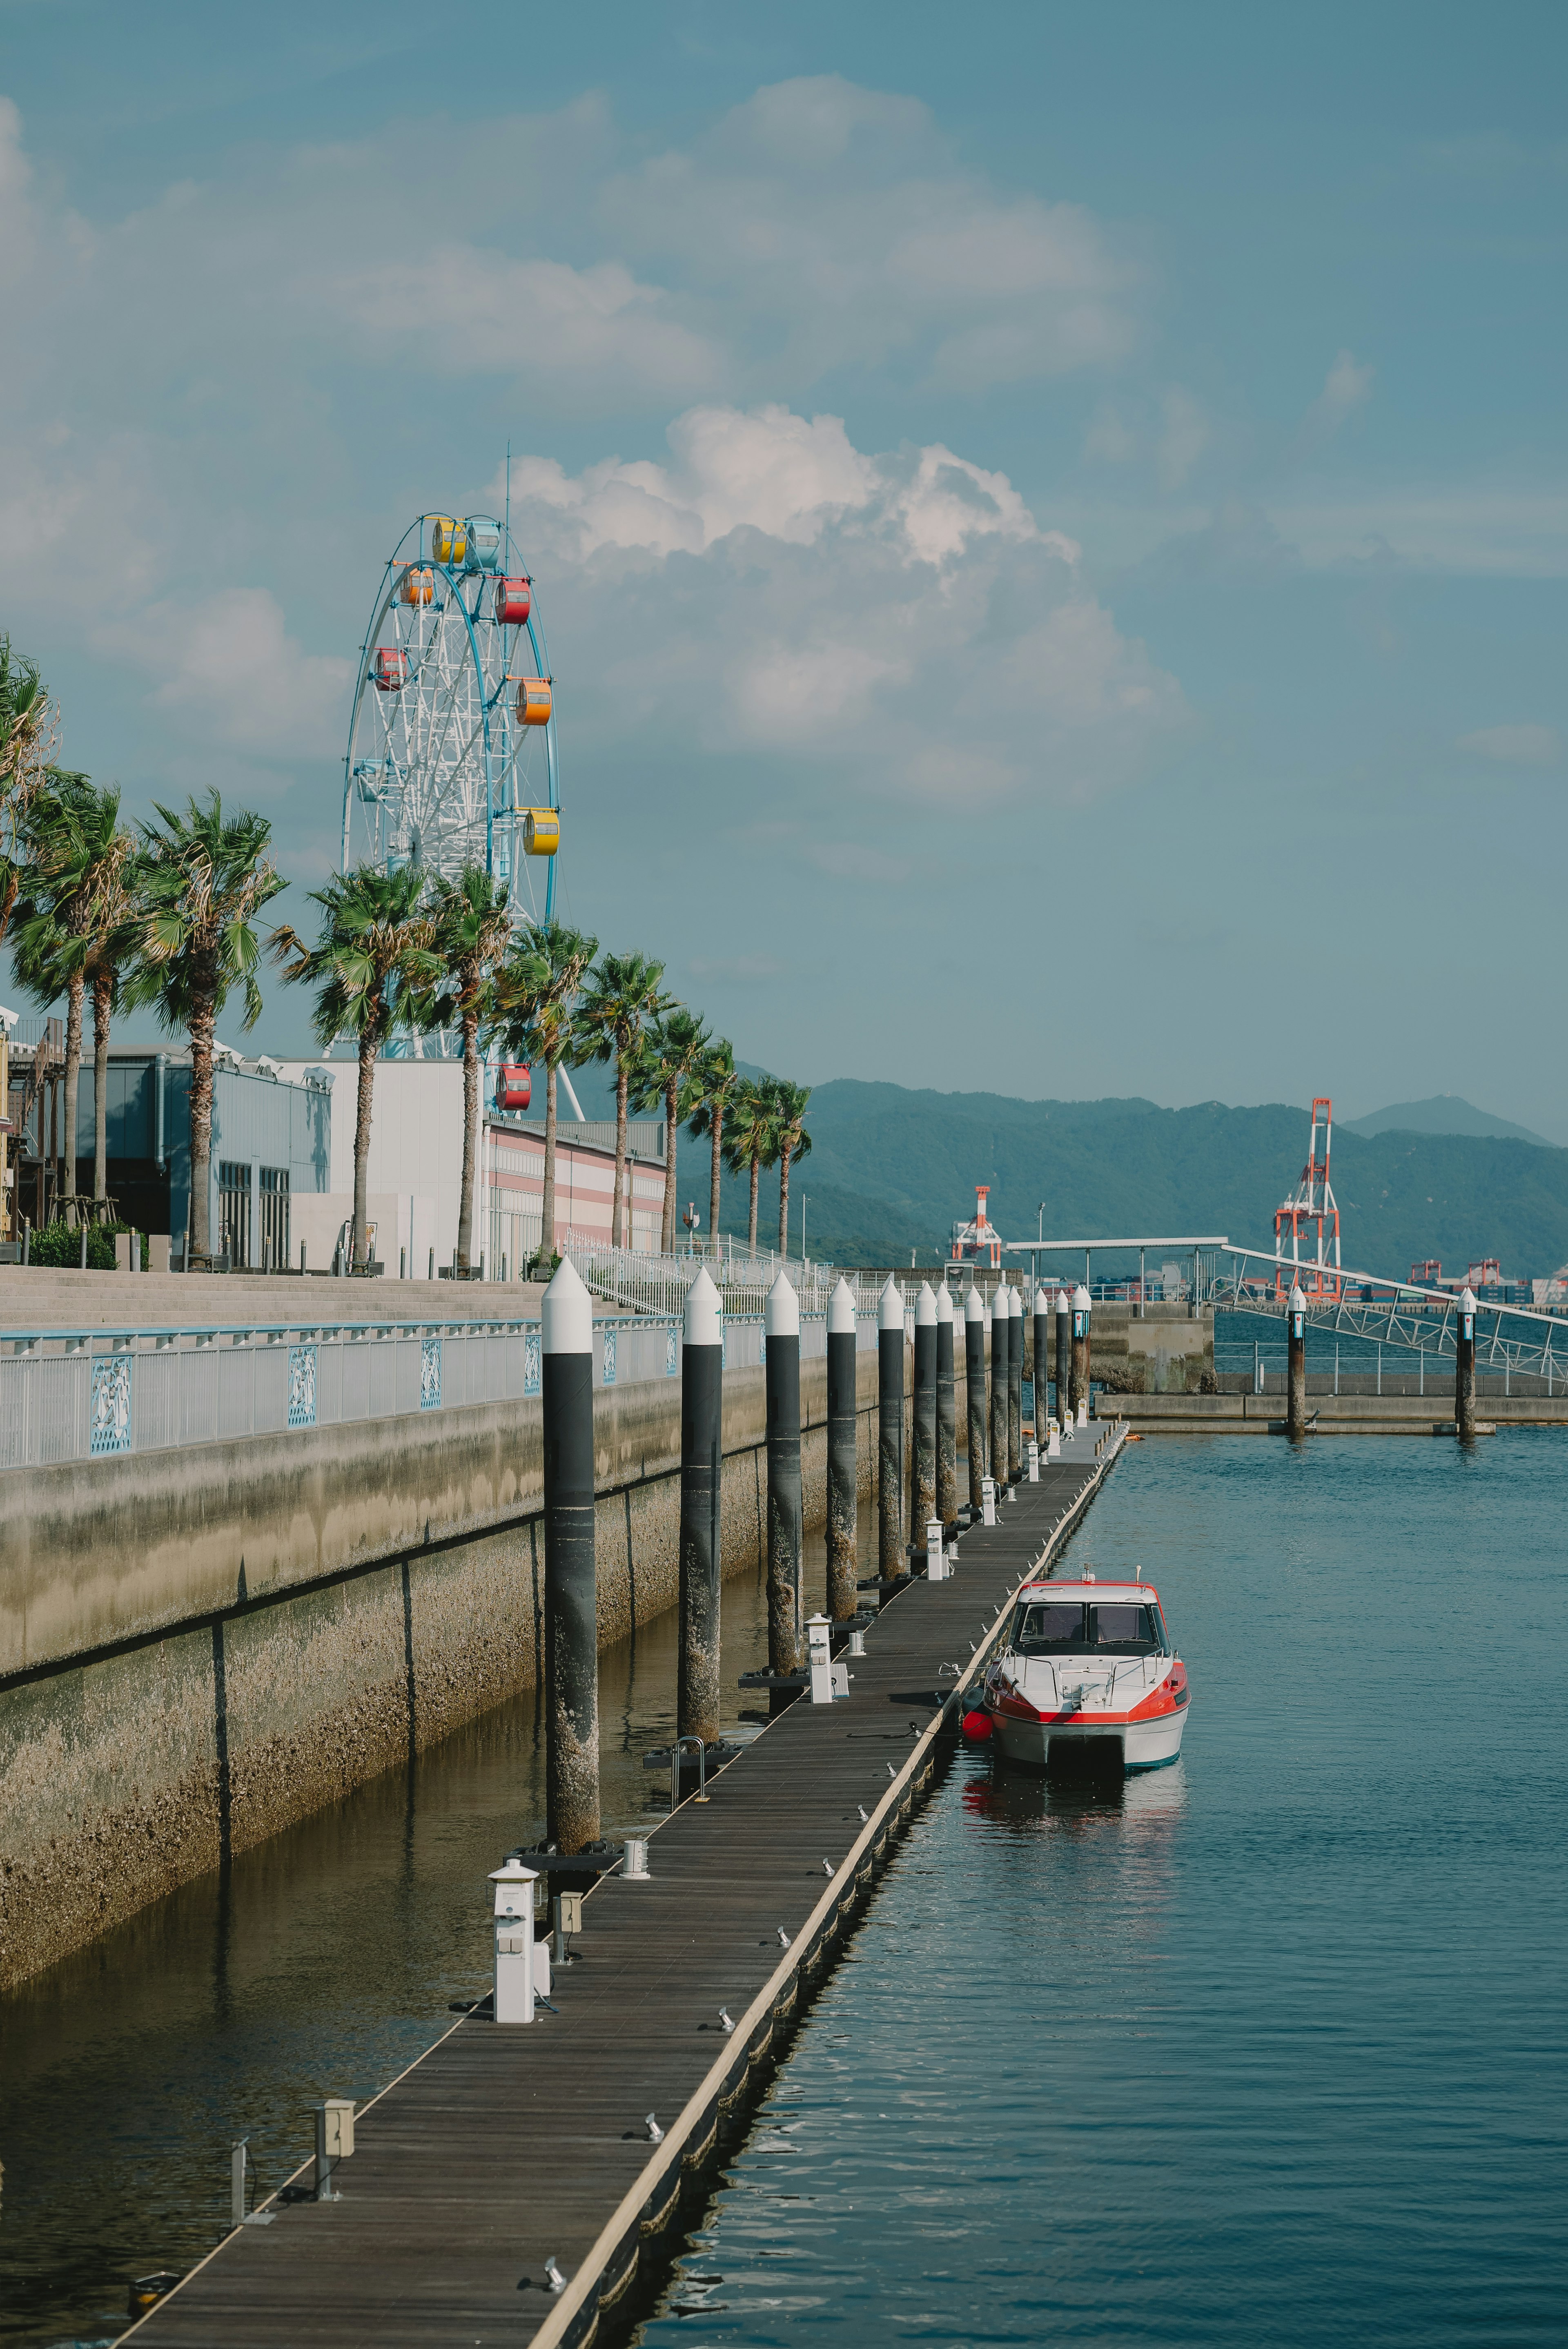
(452, 747)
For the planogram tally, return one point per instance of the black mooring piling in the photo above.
(1015, 1387)
(843, 1491)
(786, 1612)
(1464, 1369)
(974, 1396)
(946, 1417)
(890, 1433)
(1295, 1385)
(570, 1609)
(702, 1466)
(922, 1449)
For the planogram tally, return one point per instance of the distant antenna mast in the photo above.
(1309, 1212)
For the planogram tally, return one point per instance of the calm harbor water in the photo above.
(1260, 2049)
(320, 1964)
(1263, 2049)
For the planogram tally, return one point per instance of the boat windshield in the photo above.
(1064, 1627)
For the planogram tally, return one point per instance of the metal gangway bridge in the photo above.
(1518, 1340)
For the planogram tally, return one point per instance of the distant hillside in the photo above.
(1444, 1114)
(891, 1170)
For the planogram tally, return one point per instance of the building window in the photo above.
(275, 1219)
(234, 1210)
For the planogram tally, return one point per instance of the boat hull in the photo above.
(1152, 1745)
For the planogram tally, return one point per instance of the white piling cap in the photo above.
(1042, 1302)
(998, 1303)
(944, 1303)
(1082, 1301)
(1467, 1299)
(841, 1309)
(925, 1307)
(889, 1306)
(782, 1309)
(973, 1305)
(704, 1319)
(566, 1313)
(1297, 1301)
(1064, 1302)
(1014, 1304)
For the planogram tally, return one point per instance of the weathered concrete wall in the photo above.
(205, 1646)
(1165, 1350)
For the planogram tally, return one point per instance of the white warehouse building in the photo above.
(415, 1169)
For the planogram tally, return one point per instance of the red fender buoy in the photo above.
(977, 1727)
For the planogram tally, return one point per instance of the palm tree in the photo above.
(204, 878)
(75, 928)
(794, 1141)
(614, 1016)
(374, 952)
(536, 992)
(666, 1076)
(28, 724)
(713, 1089)
(751, 1140)
(472, 936)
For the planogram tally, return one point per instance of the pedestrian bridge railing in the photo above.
(658, 1284)
(76, 1394)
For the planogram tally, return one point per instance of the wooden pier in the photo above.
(504, 2149)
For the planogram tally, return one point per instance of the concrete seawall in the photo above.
(199, 1646)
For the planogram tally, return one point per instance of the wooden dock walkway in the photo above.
(500, 2150)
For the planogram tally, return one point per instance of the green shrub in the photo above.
(58, 1247)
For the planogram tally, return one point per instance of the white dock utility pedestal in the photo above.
(515, 1978)
(829, 1680)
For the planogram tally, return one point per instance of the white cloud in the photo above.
(1110, 439)
(835, 226)
(227, 668)
(1516, 746)
(1182, 440)
(849, 860)
(899, 622)
(1346, 387)
(460, 311)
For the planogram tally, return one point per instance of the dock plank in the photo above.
(502, 2148)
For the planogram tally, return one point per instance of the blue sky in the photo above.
(1052, 522)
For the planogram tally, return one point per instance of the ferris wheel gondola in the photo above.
(451, 745)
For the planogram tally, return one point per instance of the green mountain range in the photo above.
(1441, 1113)
(892, 1171)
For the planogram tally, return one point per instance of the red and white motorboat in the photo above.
(1088, 1667)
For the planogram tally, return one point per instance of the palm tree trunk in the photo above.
(617, 1212)
(367, 1044)
(470, 1138)
(784, 1201)
(76, 991)
(547, 1204)
(667, 1228)
(712, 1188)
(103, 997)
(203, 1021)
(751, 1229)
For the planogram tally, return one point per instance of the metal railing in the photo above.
(1509, 1338)
(75, 1394)
(658, 1284)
